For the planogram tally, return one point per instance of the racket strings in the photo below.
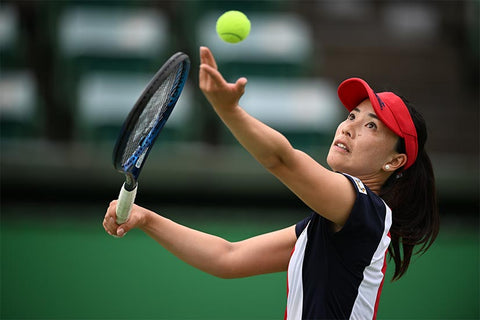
(151, 116)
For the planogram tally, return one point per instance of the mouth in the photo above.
(341, 146)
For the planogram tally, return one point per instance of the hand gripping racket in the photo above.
(143, 124)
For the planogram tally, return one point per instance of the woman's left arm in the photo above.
(265, 253)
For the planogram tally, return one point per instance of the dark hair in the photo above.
(411, 194)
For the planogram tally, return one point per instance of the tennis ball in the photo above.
(233, 26)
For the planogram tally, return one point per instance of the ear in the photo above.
(396, 162)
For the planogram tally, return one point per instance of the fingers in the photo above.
(109, 221)
(127, 226)
(218, 80)
(210, 78)
(220, 93)
(206, 57)
(240, 85)
(110, 225)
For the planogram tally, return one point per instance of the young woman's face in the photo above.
(362, 143)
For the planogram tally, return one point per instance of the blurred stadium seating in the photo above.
(71, 71)
(18, 89)
(109, 53)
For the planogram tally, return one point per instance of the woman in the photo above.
(379, 196)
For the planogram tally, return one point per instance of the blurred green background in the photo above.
(71, 70)
(60, 267)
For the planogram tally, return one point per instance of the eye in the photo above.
(371, 125)
(351, 116)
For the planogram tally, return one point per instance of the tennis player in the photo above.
(378, 197)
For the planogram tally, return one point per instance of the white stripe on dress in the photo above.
(372, 276)
(295, 278)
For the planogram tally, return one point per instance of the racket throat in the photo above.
(130, 182)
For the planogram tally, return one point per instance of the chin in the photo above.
(339, 163)
(336, 168)
(334, 163)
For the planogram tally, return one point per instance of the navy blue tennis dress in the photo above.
(339, 275)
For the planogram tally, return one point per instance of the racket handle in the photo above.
(125, 201)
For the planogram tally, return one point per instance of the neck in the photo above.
(374, 182)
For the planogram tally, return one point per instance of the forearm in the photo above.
(203, 251)
(268, 146)
(257, 255)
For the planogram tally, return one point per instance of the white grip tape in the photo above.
(125, 201)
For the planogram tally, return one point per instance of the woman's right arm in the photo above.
(265, 144)
(324, 191)
(265, 253)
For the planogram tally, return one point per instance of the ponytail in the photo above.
(411, 194)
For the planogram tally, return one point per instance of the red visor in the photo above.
(388, 107)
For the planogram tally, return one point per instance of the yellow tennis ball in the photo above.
(233, 26)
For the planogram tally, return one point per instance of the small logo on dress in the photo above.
(360, 186)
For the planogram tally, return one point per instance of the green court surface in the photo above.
(59, 267)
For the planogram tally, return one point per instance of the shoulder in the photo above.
(369, 210)
(363, 193)
(357, 183)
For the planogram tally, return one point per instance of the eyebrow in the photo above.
(373, 115)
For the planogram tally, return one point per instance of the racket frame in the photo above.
(133, 166)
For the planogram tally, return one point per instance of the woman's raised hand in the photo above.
(221, 94)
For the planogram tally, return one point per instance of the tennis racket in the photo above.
(143, 124)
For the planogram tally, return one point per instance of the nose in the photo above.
(348, 130)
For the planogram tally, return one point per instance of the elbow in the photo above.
(271, 163)
(226, 267)
(277, 156)
(225, 275)
(225, 272)
(277, 160)
(221, 274)
(280, 161)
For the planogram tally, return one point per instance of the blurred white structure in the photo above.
(18, 95)
(300, 105)
(112, 31)
(8, 26)
(107, 98)
(274, 37)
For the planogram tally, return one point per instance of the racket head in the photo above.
(148, 117)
